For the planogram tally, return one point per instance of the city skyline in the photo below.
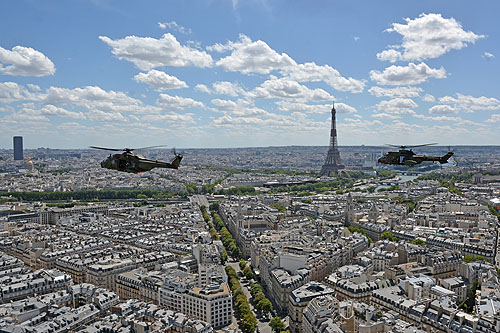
(205, 74)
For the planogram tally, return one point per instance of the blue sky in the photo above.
(222, 73)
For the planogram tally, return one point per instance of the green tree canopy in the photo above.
(277, 325)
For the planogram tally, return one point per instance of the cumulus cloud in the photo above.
(227, 88)
(488, 55)
(48, 110)
(175, 27)
(170, 117)
(395, 92)
(407, 75)
(51, 110)
(178, 102)
(101, 116)
(147, 52)
(92, 98)
(288, 89)
(310, 72)
(495, 118)
(202, 88)
(443, 109)
(252, 57)
(317, 109)
(386, 116)
(10, 92)
(25, 61)
(240, 108)
(397, 106)
(160, 80)
(427, 36)
(428, 98)
(288, 106)
(33, 87)
(470, 103)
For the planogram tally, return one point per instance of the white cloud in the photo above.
(224, 104)
(288, 106)
(48, 110)
(10, 92)
(227, 88)
(25, 61)
(175, 27)
(93, 98)
(408, 75)
(171, 117)
(257, 57)
(33, 87)
(202, 88)
(470, 103)
(397, 106)
(52, 110)
(395, 92)
(252, 57)
(443, 109)
(495, 118)
(178, 102)
(439, 118)
(147, 52)
(160, 80)
(310, 72)
(240, 108)
(427, 36)
(22, 117)
(386, 116)
(488, 55)
(428, 98)
(344, 108)
(288, 89)
(101, 116)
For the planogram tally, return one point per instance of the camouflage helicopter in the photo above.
(408, 157)
(135, 163)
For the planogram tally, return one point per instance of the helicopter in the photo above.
(135, 163)
(407, 157)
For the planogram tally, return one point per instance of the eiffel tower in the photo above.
(332, 162)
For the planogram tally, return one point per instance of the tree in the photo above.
(243, 264)
(418, 242)
(469, 258)
(255, 288)
(224, 256)
(277, 324)
(236, 253)
(249, 323)
(248, 272)
(265, 306)
(259, 296)
(389, 235)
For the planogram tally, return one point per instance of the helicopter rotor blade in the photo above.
(426, 144)
(413, 146)
(146, 147)
(104, 148)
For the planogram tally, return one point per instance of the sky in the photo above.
(235, 73)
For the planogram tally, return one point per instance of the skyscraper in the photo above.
(332, 162)
(18, 148)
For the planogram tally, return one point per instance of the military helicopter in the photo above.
(135, 163)
(407, 157)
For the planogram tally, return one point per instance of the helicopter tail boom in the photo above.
(444, 159)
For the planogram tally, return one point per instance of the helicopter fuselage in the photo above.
(132, 163)
(409, 158)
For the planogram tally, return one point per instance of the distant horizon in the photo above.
(263, 147)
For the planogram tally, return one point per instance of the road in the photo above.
(263, 324)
